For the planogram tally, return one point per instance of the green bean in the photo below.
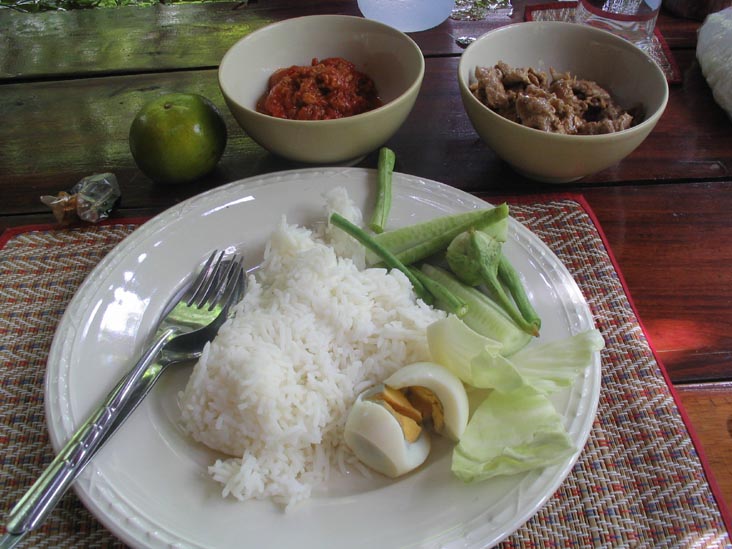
(508, 275)
(387, 159)
(483, 315)
(387, 257)
(444, 298)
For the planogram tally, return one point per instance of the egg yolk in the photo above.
(428, 405)
(413, 407)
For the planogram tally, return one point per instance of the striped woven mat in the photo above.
(638, 483)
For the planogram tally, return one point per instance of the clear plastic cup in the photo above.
(634, 20)
(407, 15)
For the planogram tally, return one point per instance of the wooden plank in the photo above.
(692, 140)
(709, 407)
(154, 38)
(193, 36)
(121, 40)
(670, 243)
(57, 132)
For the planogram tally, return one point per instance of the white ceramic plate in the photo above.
(149, 484)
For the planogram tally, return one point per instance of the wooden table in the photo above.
(70, 84)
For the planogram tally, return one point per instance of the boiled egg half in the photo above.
(387, 427)
(437, 393)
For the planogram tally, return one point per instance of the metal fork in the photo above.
(190, 320)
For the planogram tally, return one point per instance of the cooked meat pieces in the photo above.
(559, 104)
(490, 89)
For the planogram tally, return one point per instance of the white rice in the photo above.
(275, 386)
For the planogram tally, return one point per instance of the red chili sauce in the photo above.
(327, 89)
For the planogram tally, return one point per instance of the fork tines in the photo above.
(216, 280)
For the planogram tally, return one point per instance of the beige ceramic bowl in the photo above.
(626, 72)
(389, 57)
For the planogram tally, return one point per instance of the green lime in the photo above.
(177, 138)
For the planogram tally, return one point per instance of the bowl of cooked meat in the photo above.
(323, 89)
(559, 101)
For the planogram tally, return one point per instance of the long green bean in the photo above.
(387, 159)
(444, 298)
(510, 278)
(387, 257)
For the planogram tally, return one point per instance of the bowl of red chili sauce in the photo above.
(322, 89)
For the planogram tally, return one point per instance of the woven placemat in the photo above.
(638, 483)
(564, 11)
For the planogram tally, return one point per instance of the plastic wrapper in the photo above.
(479, 10)
(714, 52)
(91, 200)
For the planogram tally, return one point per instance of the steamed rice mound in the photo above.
(275, 386)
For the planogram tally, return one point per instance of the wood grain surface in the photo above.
(709, 406)
(63, 129)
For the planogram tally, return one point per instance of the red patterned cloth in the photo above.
(639, 482)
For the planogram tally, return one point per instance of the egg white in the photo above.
(377, 439)
(445, 385)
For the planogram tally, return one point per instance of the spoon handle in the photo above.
(32, 509)
(8, 541)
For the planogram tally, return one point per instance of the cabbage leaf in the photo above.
(478, 362)
(509, 433)
(546, 367)
(454, 344)
(515, 428)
